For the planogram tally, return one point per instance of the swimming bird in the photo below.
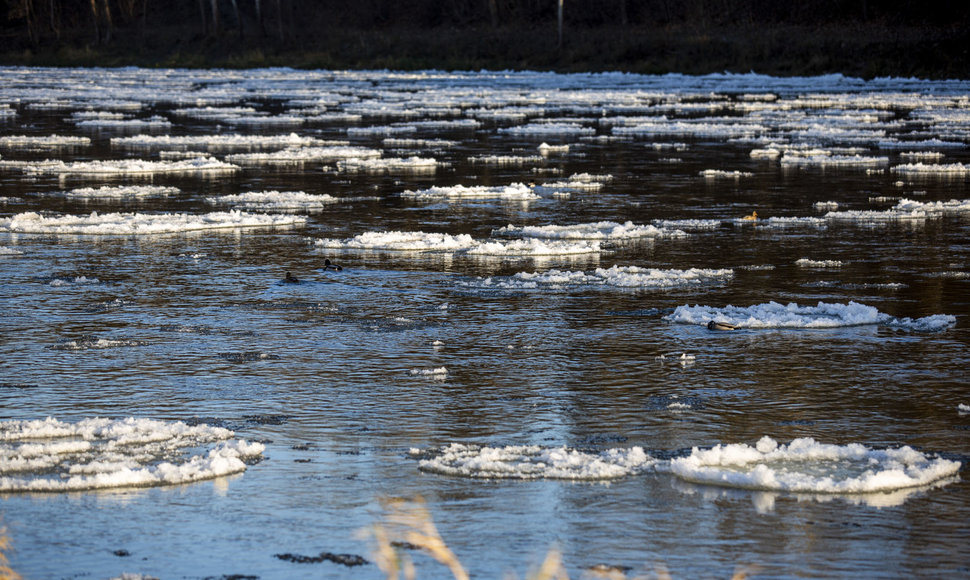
(327, 265)
(751, 218)
(291, 279)
(718, 325)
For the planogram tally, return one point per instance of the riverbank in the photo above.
(859, 50)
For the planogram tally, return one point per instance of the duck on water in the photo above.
(718, 325)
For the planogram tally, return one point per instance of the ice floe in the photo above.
(534, 462)
(388, 165)
(304, 155)
(48, 455)
(232, 142)
(932, 169)
(125, 167)
(396, 241)
(809, 263)
(123, 191)
(615, 277)
(590, 231)
(792, 315)
(277, 200)
(43, 143)
(807, 466)
(140, 224)
(513, 192)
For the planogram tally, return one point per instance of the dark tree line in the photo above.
(41, 21)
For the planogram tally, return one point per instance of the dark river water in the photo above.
(516, 340)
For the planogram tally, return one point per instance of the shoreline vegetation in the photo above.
(864, 39)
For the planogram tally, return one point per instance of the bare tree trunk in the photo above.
(97, 21)
(214, 5)
(559, 18)
(259, 17)
(108, 22)
(279, 15)
(493, 12)
(205, 27)
(235, 11)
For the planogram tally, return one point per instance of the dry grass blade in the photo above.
(6, 572)
(410, 522)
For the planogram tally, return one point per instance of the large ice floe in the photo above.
(534, 462)
(140, 224)
(231, 142)
(124, 167)
(277, 200)
(48, 455)
(807, 466)
(631, 277)
(822, 315)
(513, 192)
(591, 231)
(396, 241)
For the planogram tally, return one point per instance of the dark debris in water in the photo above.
(602, 439)
(267, 419)
(405, 545)
(349, 560)
(663, 402)
(121, 553)
(17, 386)
(249, 356)
(232, 577)
(609, 570)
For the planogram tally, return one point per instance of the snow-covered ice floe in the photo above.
(123, 191)
(233, 142)
(534, 462)
(140, 224)
(905, 209)
(277, 200)
(48, 455)
(590, 231)
(297, 155)
(807, 466)
(125, 167)
(396, 241)
(615, 277)
(513, 192)
(389, 164)
(822, 315)
(45, 142)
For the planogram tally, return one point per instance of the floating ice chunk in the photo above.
(129, 167)
(841, 161)
(945, 169)
(45, 142)
(513, 192)
(110, 192)
(533, 247)
(823, 315)
(826, 205)
(806, 466)
(232, 142)
(722, 174)
(303, 155)
(590, 231)
(437, 374)
(546, 149)
(53, 456)
(689, 224)
(507, 160)
(401, 242)
(547, 129)
(535, 462)
(925, 144)
(155, 122)
(278, 200)
(616, 277)
(963, 409)
(140, 224)
(463, 243)
(387, 165)
(5, 251)
(808, 263)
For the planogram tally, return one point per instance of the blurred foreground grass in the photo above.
(407, 526)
